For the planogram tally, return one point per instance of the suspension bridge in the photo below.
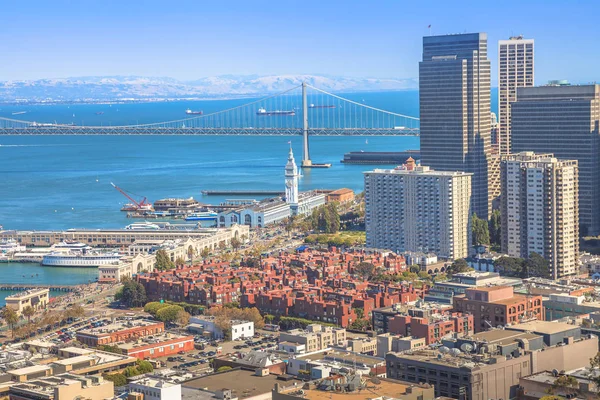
(302, 110)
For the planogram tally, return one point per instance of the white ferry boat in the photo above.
(141, 226)
(69, 245)
(79, 259)
(10, 247)
(201, 216)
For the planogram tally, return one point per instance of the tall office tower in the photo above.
(413, 208)
(454, 95)
(564, 120)
(539, 209)
(515, 69)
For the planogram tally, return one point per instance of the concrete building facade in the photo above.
(36, 298)
(414, 208)
(454, 97)
(515, 69)
(564, 121)
(539, 210)
(497, 306)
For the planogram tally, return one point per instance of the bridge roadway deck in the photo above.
(155, 130)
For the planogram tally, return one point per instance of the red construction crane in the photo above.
(134, 205)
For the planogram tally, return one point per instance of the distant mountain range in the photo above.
(107, 88)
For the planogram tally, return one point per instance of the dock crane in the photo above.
(142, 205)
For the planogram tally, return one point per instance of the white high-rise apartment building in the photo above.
(515, 69)
(414, 208)
(540, 209)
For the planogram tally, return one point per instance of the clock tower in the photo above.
(291, 183)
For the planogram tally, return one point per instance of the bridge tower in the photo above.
(306, 161)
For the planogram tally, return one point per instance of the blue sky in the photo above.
(193, 39)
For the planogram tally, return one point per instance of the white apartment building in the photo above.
(515, 69)
(239, 329)
(414, 208)
(540, 209)
(154, 388)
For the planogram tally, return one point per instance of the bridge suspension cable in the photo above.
(282, 113)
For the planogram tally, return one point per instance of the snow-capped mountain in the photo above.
(137, 87)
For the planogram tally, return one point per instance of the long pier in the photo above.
(242, 192)
(21, 288)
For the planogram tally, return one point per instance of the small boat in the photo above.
(322, 106)
(366, 141)
(19, 112)
(100, 113)
(262, 111)
(189, 111)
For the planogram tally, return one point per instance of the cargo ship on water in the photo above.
(263, 111)
(191, 112)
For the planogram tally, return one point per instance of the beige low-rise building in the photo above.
(64, 387)
(36, 298)
(316, 337)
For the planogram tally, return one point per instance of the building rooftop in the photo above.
(149, 340)
(27, 293)
(375, 388)
(242, 383)
(544, 327)
(30, 370)
(116, 327)
(342, 191)
(501, 336)
(75, 360)
(154, 382)
(343, 357)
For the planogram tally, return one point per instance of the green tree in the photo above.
(10, 317)
(479, 228)
(495, 228)
(565, 384)
(132, 294)
(594, 366)
(235, 243)
(415, 268)
(510, 266)
(360, 325)
(205, 252)
(130, 371)
(116, 379)
(74, 311)
(458, 266)
(224, 368)
(191, 253)
(360, 312)
(163, 261)
(110, 349)
(153, 307)
(536, 265)
(28, 312)
(180, 261)
(290, 224)
(144, 367)
(170, 313)
(423, 275)
(364, 269)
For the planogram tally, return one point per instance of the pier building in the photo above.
(208, 237)
(36, 298)
(275, 209)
